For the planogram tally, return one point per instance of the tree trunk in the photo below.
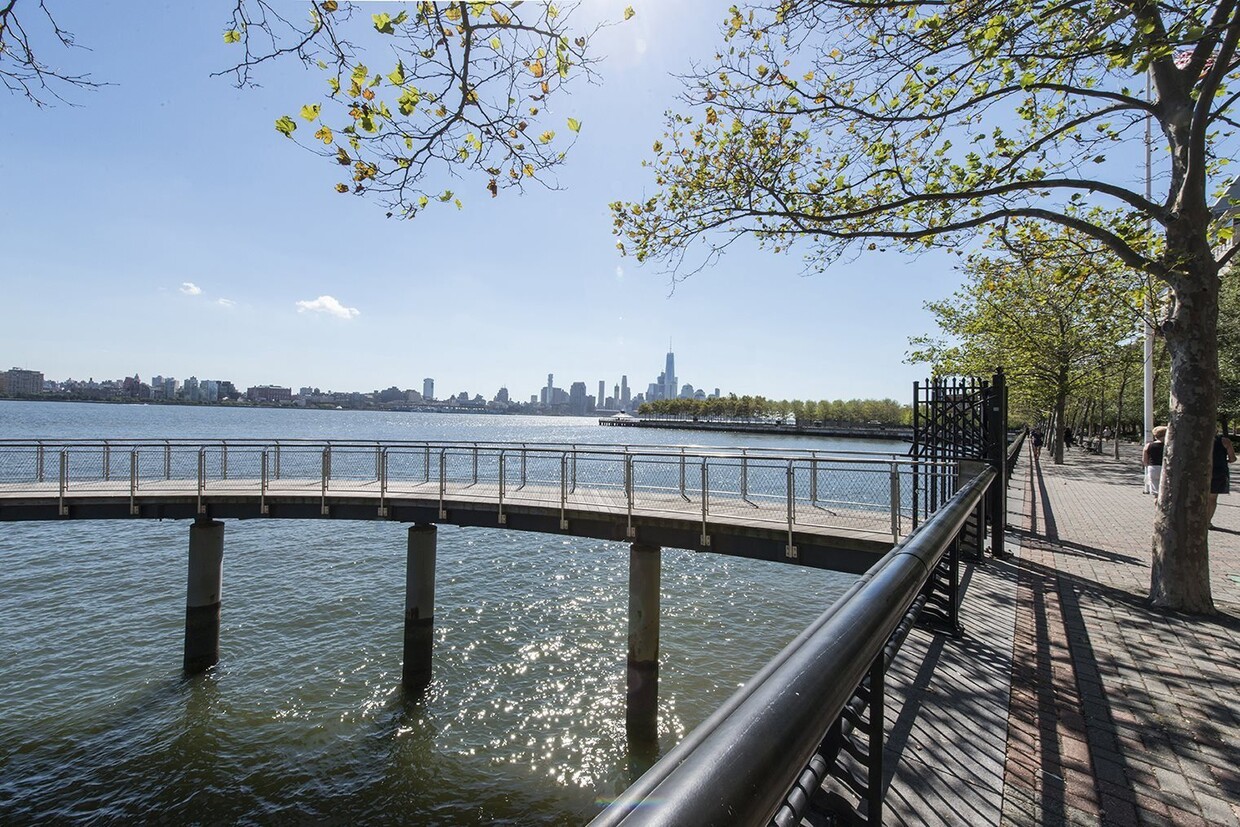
(1180, 574)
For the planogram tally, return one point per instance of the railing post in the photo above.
(682, 473)
(744, 476)
(443, 469)
(813, 478)
(167, 460)
(791, 550)
(523, 458)
(874, 770)
(277, 460)
(705, 497)
(996, 413)
(133, 482)
(573, 489)
(503, 518)
(383, 481)
(64, 481)
(262, 487)
(378, 462)
(224, 460)
(630, 532)
(563, 492)
(107, 462)
(202, 479)
(475, 461)
(39, 454)
(427, 464)
(326, 475)
(895, 503)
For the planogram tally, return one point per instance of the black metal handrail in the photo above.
(740, 765)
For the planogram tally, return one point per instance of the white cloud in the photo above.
(190, 289)
(226, 302)
(329, 305)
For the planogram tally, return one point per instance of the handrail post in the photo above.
(167, 460)
(682, 472)
(443, 468)
(39, 454)
(874, 770)
(744, 476)
(202, 478)
(383, 481)
(791, 550)
(574, 485)
(107, 461)
(64, 481)
(277, 463)
(502, 517)
(475, 463)
(813, 478)
(523, 457)
(629, 532)
(262, 487)
(427, 463)
(705, 538)
(378, 462)
(133, 482)
(325, 476)
(563, 492)
(895, 503)
(996, 413)
(224, 461)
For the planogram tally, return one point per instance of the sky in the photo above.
(161, 225)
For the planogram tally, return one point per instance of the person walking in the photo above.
(1037, 443)
(1152, 460)
(1220, 475)
(1067, 438)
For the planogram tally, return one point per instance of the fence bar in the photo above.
(224, 460)
(744, 476)
(574, 485)
(443, 469)
(277, 460)
(262, 487)
(895, 503)
(64, 481)
(682, 474)
(629, 531)
(503, 518)
(791, 551)
(383, 482)
(705, 497)
(326, 475)
(563, 492)
(167, 460)
(39, 454)
(202, 479)
(475, 461)
(107, 462)
(133, 482)
(813, 479)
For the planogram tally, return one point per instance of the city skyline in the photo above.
(225, 251)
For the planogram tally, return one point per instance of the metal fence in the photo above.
(859, 491)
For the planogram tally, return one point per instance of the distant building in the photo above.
(577, 404)
(600, 400)
(624, 392)
(669, 377)
(269, 393)
(21, 382)
(428, 390)
(502, 395)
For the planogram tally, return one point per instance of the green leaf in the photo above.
(310, 111)
(383, 23)
(397, 75)
(232, 36)
(286, 126)
(574, 125)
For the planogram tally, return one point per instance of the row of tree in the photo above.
(802, 412)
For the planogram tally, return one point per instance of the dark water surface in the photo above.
(304, 719)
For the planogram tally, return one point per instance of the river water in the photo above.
(304, 719)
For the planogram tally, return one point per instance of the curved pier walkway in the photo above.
(1069, 700)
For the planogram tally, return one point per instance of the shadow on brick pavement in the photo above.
(1069, 700)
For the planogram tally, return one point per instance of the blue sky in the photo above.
(169, 176)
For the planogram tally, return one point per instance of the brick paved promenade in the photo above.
(1069, 701)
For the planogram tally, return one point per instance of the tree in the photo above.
(1047, 308)
(23, 39)
(435, 91)
(843, 124)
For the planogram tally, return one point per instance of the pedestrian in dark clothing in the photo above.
(1067, 437)
(1220, 474)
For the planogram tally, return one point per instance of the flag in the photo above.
(1183, 57)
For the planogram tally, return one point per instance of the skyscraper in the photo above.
(549, 396)
(601, 399)
(669, 377)
(624, 393)
(428, 390)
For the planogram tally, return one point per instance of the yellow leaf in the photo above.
(536, 69)
(329, 5)
(574, 125)
(628, 12)
(232, 36)
(324, 134)
(310, 111)
(547, 137)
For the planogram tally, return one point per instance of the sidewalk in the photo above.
(1069, 701)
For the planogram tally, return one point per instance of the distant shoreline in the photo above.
(894, 433)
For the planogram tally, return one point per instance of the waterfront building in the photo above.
(577, 404)
(428, 390)
(502, 395)
(21, 382)
(273, 393)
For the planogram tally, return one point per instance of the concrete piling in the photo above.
(202, 595)
(419, 606)
(641, 713)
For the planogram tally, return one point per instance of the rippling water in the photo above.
(304, 718)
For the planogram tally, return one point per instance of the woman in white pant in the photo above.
(1152, 459)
